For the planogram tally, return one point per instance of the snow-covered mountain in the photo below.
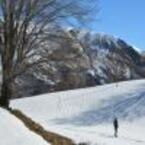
(107, 49)
(86, 115)
(80, 58)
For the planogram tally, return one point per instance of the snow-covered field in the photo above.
(13, 132)
(86, 115)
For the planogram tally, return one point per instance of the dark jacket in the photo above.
(115, 123)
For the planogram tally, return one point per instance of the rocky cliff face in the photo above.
(113, 59)
(79, 58)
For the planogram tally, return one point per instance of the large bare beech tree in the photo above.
(22, 23)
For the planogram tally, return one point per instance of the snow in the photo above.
(13, 132)
(137, 49)
(86, 115)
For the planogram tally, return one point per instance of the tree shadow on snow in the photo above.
(125, 108)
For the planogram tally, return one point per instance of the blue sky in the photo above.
(123, 18)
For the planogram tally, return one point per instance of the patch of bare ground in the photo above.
(52, 138)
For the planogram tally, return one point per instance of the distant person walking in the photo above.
(116, 126)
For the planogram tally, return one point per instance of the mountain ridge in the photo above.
(78, 59)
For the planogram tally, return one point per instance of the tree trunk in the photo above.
(6, 89)
(5, 95)
(7, 57)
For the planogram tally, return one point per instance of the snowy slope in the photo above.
(86, 115)
(13, 132)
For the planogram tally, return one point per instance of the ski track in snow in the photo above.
(86, 115)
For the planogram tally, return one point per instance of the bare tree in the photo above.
(23, 27)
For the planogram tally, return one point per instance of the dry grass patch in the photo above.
(52, 138)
